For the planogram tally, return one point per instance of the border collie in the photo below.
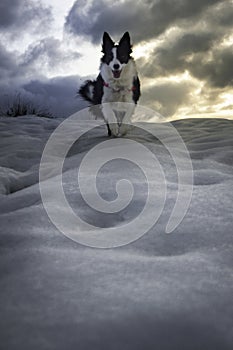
(117, 82)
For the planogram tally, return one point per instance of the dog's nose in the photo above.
(116, 66)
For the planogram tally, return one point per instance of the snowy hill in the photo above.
(162, 291)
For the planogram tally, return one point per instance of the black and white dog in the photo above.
(117, 82)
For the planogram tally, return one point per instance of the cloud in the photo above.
(144, 19)
(8, 64)
(8, 12)
(199, 25)
(21, 23)
(189, 39)
(173, 55)
(45, 56)
(167, 97)
(58, 95)
(221, 15)
(17, 14)
(20, 20)
(25, 65)
(50, 54)
(203, 51)
(197, 53)
(217, 70)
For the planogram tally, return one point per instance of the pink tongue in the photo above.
(116, 74)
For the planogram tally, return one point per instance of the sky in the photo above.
(183, 50)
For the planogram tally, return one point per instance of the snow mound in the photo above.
(162, 291)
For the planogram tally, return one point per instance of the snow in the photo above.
(162, 291)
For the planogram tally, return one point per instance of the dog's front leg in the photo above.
(127, 119)
(110, 118)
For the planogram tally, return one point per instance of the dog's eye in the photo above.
(123, 57)
(108, 57)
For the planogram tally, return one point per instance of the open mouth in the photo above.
(116, 73)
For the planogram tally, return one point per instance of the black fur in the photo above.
(97, 95)
(136, 90)
(97, 90)
(124, 49)
(84, 90)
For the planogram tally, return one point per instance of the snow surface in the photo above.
(160, 292)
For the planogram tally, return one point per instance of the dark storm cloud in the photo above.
(16, 69)
(17, 19)
(173, 55)
(202, 25)
(57, 95)
(13, 67)
(18, 14)
(217, 71)
(8, 12)
(144, 19)
(167, 97)
(194, 53)
(59, 87)
(198, 50)
(24, 72)
(49, 52)
(222, 15)
(194, 44)
(8, 64)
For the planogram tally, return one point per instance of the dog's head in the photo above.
(116, 56)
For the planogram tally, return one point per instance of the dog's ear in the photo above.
(107, 43)
(125, 38)
(125, 41)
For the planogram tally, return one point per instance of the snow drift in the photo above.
(161, 291)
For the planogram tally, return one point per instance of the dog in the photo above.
(117, 84)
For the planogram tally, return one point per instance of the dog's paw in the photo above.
(124, 128)
(114, 127)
